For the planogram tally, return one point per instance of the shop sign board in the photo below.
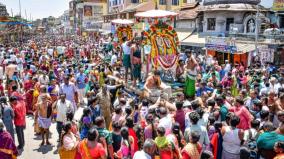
(222, 44)
(278, 5)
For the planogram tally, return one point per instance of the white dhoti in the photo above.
(44, 123)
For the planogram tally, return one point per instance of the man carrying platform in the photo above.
(154, 87)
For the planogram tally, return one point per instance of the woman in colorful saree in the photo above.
(8, 149)
(90, 148)
(193, 149)
(163, 144)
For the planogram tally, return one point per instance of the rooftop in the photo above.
(188, 13)
(210, 2)
(139, 7)
(231, 7)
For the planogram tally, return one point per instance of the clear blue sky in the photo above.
(267, 3)
(45, 8)
(37, 8)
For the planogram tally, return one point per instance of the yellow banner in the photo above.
(278, 5)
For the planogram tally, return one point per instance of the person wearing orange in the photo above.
(90, 148)
(279, 149)
(193, 149)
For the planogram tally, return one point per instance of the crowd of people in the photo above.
(225, 111)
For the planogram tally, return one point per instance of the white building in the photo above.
(219, 17)
(65, 22)
(89, 15)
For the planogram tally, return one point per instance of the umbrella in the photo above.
(156, 14)
(122, 21)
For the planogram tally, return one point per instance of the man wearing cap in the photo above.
(7, 145)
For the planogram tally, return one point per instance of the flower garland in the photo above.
(124, 29)
(164, 41)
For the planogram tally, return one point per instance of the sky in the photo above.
(267, 3)
(37, 8)
(45, 8)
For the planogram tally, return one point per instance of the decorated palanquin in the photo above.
(161, 37)
(124, 31)
(164, 41)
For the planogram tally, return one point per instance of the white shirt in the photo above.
(125, 48)
(275, 87)
(166, 122)
(113, 60)
(20, 64)
(43, 80)
(13, 57)
(264, 91)
(247, 134)
(62, 109)
(69, 90)
(141, 155)
(50, 52)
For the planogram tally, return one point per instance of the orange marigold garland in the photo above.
(164, 41)
(124, 29)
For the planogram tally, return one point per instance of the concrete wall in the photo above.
(185, 24)
(221, 17)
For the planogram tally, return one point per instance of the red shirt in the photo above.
(1, 90)
(245, 117)
(20, 114)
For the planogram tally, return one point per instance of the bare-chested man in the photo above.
(43, 115)
(273, 107)
(154, 86)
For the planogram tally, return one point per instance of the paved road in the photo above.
(32, 150)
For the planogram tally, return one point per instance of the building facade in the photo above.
(238, 31)
(86, 15)
(3, 10)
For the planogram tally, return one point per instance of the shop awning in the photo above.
(244, 47)
(194, 40)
